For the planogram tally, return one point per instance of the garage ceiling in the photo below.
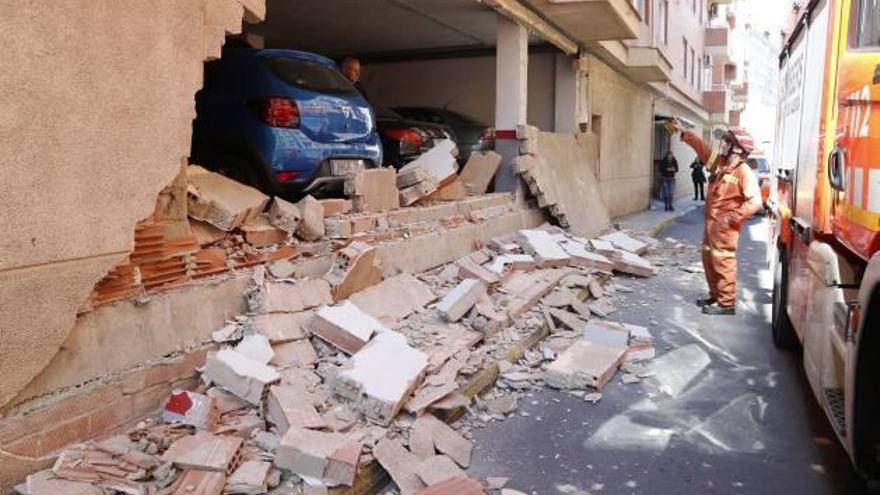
(364, 27)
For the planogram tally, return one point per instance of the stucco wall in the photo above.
(96, 104)
(466, 85)
(626, 111)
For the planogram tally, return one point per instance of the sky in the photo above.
(766, 14)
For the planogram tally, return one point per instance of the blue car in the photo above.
(284, 121)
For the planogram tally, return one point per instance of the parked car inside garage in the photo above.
(470, 134)
(284, 121)
(404, 139)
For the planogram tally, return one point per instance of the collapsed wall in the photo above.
(98, 107)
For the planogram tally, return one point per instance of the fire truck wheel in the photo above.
(783, 333)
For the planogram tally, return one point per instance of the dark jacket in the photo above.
(668, 168)
(697, 173)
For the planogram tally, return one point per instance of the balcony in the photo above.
(741, 93)
(648, 64)
(718, 103)
(718, 44)
(592, 20)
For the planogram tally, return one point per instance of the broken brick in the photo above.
(356, 267)
(300, 354)
(437, 469)
(286, 297)
(381, 376)
(335, 206)
(288, 407)
(327, 457)
(344, 326)
(284, 215)
(401, 465)
(446, 440)
(461, 299)
(479, 171)
(220, 201)
(240, 375)
(311, 226)
(394, 298)
(458, 486)
(373, 190)
(280, 327)
(584, 364)
(547, 252)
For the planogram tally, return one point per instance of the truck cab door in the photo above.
(854, 171)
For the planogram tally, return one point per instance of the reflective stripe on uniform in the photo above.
(719, 253)
(732, 179)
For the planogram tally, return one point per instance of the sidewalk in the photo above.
(656, 219)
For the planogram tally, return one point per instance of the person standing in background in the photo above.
(668, 170)
(699, 178)
(351, 69)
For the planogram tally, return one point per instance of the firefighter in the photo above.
(733, 197)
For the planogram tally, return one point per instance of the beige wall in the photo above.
(97, 104)
(466, 85)
(626, 111)
(685, 23)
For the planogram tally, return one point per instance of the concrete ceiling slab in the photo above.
(364, 27)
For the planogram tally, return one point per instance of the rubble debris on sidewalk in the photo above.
(332, 378)
(336, 371)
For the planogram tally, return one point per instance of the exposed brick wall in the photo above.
(43, 426)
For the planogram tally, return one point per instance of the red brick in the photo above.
(16, 427)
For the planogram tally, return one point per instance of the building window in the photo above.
(684, 59)
(693, 68)
(661, 22)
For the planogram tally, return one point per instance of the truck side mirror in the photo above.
(837, 168)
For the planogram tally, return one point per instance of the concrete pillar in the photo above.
(511, 99)
(571, 108)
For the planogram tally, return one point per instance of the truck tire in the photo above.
(782, 330)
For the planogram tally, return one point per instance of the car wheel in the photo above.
(782, 330)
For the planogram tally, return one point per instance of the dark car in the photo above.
(470, 134)
(404, 140)
(283, 121)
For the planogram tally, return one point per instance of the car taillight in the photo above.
(410, 139)
(286, 176)
(279, 112)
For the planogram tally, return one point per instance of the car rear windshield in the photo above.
(310, 75)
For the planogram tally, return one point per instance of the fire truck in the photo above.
(826, 290)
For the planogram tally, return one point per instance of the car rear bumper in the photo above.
(295, 153)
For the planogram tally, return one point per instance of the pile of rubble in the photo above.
(350, 380)
(206, 224)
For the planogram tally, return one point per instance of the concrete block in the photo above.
(338, 228)
(247, 379)
(437, 469)
(345, 326)
(446, 440)
(288, 407)
(581, 256)
(327, 457)
(206, 233)
(461, 299)
(373, 190)
(584, 364)
(256, 347)
(381, 376)
(281, 269)
(335, 206)
(355, 268)
(400, 464)
(251, 478)
(219, 201)
(622, 241)
(634, 264)
(542, 282)
(280, 327)
(284, 215)
(364, 223)
(547, 252)
(439, 161)
(468, 267)
(412, 194)
(311, 227)
(259, 233)
(479, 171)
(299, 354)
(452, 190)
(394, 298)
(506, 262)
(290, 297)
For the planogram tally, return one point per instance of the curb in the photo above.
(653, 231)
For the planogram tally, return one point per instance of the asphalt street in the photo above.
(725, 412)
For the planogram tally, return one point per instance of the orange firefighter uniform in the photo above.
(733, 196)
